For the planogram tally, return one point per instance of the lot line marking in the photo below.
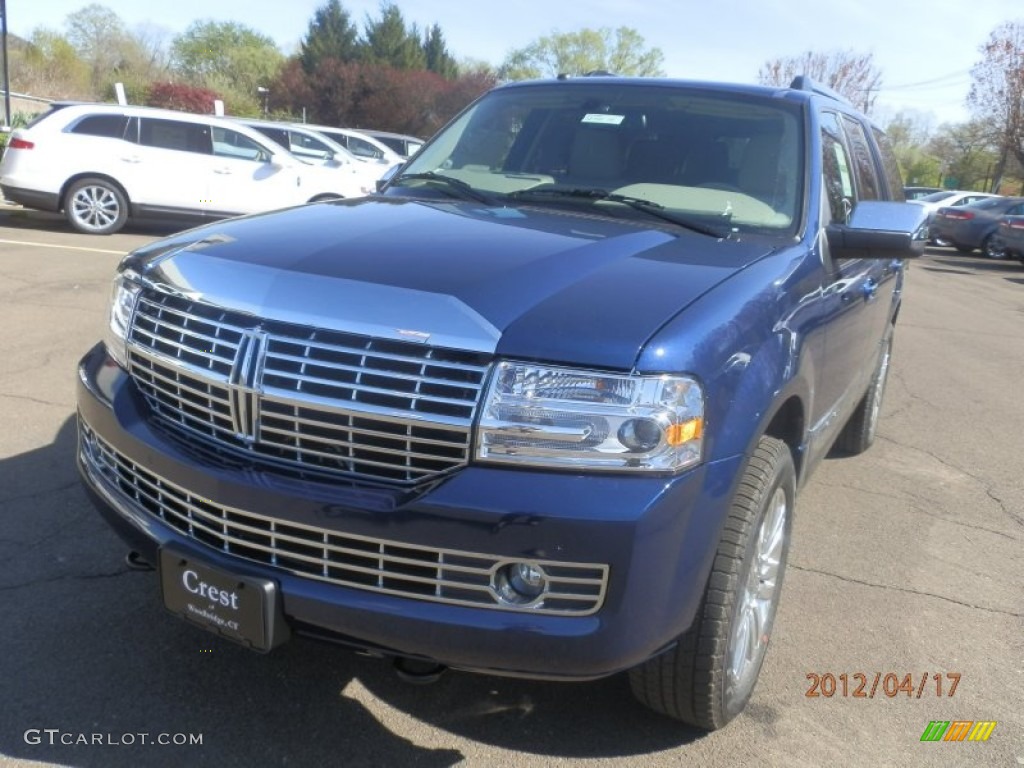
(65, 247)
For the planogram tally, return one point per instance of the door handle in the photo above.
(132, 159)
(223, 171)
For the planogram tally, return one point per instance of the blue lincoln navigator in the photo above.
(539, 408)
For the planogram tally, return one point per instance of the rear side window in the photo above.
(863, 161)
(278, 135)
(228, 143)
(892, 169)
(175, 134)
(111, 126)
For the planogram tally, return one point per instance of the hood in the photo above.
(524, 283)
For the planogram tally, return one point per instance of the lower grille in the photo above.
(348, 560)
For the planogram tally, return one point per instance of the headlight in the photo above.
(123, 296)
(558, 417)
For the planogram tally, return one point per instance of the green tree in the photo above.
(331, 34)
(436, 52)
(853, 75)
(48, 65)
(967, 154)
(997, 93)
(229, 58)
(388, 41)
(620, 51)
(909, 137)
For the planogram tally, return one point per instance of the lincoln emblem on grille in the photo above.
(246, 372)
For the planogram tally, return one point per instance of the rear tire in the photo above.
(859, 432)
(708, 677)
(96, 206)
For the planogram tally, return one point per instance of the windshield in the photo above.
(732, 158)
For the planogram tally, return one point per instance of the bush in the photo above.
(184, 98)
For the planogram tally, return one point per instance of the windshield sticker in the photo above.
(603, 119)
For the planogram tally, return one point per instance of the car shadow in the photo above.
(949, 260)
(94, 666)
(25, 218)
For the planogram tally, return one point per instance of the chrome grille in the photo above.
(309, 400)
(359, 562)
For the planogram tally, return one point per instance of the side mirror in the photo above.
(880, 230)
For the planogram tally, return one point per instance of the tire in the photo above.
(707, 678)
(859, 432)
(95, 206)
(991, 250)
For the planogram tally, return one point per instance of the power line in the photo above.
(952, 76)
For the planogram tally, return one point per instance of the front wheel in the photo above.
(708, 677)
(95, 206)
(991, 249)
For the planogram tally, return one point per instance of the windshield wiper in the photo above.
(463, 190)
(598, 194)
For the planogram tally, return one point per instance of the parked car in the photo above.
(1009, 238)
(947, 198)
(916, 193)
(539, 409)
(311, 146)
(404, 146)
(364, 147)
(101, 163)
(971, 227)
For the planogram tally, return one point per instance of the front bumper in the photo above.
(656, 535)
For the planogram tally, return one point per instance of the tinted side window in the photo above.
(835, 164)
(174, 134)
(863, 161)
(363, 148)
(278, 135)
(111, 126)
(228, 143)
(892, 169)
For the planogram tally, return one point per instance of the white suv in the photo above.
(100, 163)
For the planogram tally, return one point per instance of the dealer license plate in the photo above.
(240, 608)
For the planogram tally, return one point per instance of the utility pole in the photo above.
(7, 79)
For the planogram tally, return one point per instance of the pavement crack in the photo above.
(906, 590)
(8, 396)
(65, 577)
(987, 487)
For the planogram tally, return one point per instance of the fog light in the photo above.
(640, 435)
(520, 583)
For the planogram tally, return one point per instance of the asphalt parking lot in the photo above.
(908, 560)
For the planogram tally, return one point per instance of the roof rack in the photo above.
(805, 83)
(594, 73)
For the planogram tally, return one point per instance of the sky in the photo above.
(924, 50)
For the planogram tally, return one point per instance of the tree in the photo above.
(99, 37)
(331, 34)
(587, 50)
(388, 41)
(436, 52)
(48, 65)
(853, 75)
(227, 57)
(909, 136)
(968, 156)
(997, 93)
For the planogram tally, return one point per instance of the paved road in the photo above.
(905, 560)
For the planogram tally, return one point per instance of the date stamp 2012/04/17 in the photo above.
(860, 685)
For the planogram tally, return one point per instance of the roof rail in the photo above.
(805, 83)
(594, 73)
